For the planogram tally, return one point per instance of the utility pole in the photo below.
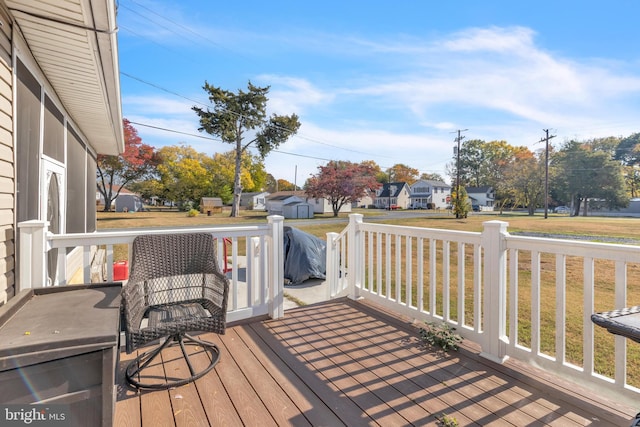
(458, 139)
(546, 171)
(389, 185)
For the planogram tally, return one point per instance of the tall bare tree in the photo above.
(241, 119)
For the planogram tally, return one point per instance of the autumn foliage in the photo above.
(342, 182)
(115, 172)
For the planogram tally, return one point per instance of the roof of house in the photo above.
(253, 193)
(281, 195)
(476, 190)
(396, 188)
(432, 183)
(79, 36)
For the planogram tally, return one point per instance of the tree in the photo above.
(252, 173)
(235, 115)
(483, 164)
(584, 174)
(148, 189)
(628, 150)
(284, 185)
(431, 177)
(271, 185)
(524, 180)
(473, 163)
(460, 203)
(185, 174)
(114, 172)
(342, 182)
(403, 173)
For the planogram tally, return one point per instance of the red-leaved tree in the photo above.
(114, 172)
(342, 182)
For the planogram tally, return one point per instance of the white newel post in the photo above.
(276, 257)
(332, 265)
(494, 302)
(32, 262)
(355, 254)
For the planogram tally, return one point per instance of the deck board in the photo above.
(348, 363)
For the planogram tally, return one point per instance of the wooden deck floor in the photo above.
(346, 363)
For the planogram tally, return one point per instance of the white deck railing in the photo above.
(515, 296)
(256, 278)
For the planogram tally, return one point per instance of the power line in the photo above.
(175, 24)
(219, 140)
(301, 136)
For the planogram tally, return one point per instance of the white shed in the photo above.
(128, 202)
(297, 210)
(275, 203)
(254, 201)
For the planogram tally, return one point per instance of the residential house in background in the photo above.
(275, 201)
(483, 197)
(394, 194)
(424, 192)
(319, 206)
(323, 205)
(255, 200)
(366, 201)
(128, 202)
(60, 107)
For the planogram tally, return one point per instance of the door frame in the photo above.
(52, 168)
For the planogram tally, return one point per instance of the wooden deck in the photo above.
(346, 363)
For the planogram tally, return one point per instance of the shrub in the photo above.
(448, 421)
(441, 335)
(193, 212)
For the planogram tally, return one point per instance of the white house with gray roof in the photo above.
(425, 191)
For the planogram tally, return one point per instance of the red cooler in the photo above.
(120, 270)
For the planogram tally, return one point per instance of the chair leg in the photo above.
(137, 366)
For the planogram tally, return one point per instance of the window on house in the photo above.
(53, 144)
(76, 183)
(28, 102)
(92, 169)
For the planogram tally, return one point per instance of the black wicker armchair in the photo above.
(175, 288)
(624, 322)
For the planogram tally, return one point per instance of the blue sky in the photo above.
(385, 81)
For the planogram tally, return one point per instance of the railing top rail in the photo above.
(123, 236)
(574, 247)
(435, 233)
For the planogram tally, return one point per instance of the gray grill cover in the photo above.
(304, 256)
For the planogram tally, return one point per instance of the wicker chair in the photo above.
(624, 322)
(175, 288)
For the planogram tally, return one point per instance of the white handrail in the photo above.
(410, 270)
(258, 291)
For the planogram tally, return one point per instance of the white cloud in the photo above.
(397, 101)
(493, 39)
(292, 95)
(157, 105)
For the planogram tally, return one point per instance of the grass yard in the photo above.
(597, 228)
(556, 224)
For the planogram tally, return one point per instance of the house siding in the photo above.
(7, 166)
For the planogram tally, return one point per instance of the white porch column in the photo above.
(32, 264)
(355, 255)
(494, 311)
(332, 265)
(276, 270)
